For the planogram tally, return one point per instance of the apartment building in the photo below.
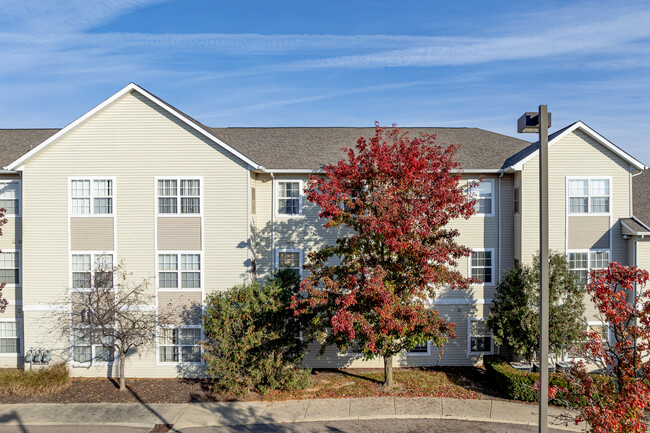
(197, 209)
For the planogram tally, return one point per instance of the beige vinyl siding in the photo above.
(185, 306)
(455, 351)
(574, 155)
(91, 234)
(134, 141)
(179, 233)
(588, 232)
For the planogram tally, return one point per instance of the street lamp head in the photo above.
(529, 122)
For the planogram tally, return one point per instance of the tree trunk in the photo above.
(388, 371)
(122, 359)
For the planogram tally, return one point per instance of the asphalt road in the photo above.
(379, 426)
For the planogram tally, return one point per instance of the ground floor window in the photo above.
(421, 348)
(89, 348)
(480, 337)
(581, 262)
(289, 259)
(9, 337)
(179, 344)
(577, 350)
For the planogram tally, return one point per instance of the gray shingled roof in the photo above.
(640, 202)
(14, 143)
(634, 225)
(309, 148)
(312, 148)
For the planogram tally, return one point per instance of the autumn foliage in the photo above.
(392, 197)
(617, 404)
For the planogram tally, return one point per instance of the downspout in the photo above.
(272, 222)
(499, 274)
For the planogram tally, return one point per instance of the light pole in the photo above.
(539, 122)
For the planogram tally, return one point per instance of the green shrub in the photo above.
(39, 381)
(518, 385)
(253, 338)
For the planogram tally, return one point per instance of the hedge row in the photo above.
(516, 384)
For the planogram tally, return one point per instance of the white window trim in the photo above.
(594, 250)
(587, 328)
(276, 198)
(19, 264)
(281, 250)
(78, 364)
(491, 182)
(179, 345)
(178, 196)
(92, 213)
(92, 254)
(427, 353)
(179, 271)
(492, 267)
(20, 331)
(19, 196)
(469, 337)
(589, 179)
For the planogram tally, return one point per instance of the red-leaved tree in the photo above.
(3, 301)
(615, 401)
(372, 290)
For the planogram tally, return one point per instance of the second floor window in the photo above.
(289, 198)
(179, 196)
(9, 268)
(581, 262)
(483, 193)
(186, 271)
(481, 266)
(92, 196)
(92, 271)
(9, 196)
(589, 196)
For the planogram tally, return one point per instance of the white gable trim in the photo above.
(593, 134)
(17, 164)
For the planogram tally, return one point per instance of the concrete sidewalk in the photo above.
(240, 413)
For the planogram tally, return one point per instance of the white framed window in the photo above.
(289, 259)
(288, 198)
(180, 344)
(10, 331)
(178, 196)
(479, 338)
(590, 195)
(88, 348)
(179, 270)
(583, 261)
(577, 350)
(10, 268)
(483, 193)
(91, 270)
(422, 349)
(481, 265)
(92, 196)
(10, 197)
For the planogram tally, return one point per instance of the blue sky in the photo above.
(335, 63)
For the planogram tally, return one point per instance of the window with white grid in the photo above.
(10, 197)
(289, 259)
(481, 266)
(179, 344)
(589, 196)
(9, 337)
(179, 196)
(483, 193)
(422, 348)
(92, 270)
(581, 262)
(179, 271)
(9, 268)
(91, 196)
(289, 198)
(480, 337)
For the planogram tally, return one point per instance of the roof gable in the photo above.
(533, 149)
(131, 87)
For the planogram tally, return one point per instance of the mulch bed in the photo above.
(460, 382)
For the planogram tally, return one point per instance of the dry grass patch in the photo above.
(39, 381)
(409, 382)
